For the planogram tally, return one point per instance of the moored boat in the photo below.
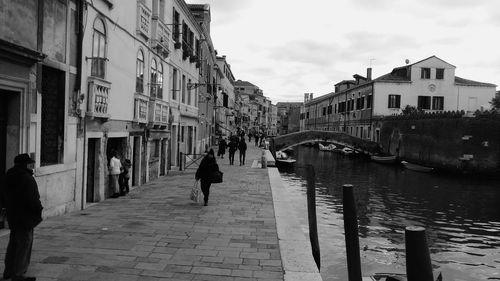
(283, 159)
(416, 167)
(330, 147)
(391, 159)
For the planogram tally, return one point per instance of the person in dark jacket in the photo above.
(204, 173)
(233, 146)
(124, 177)
(24, 213)
(242, 147)
(222, 148)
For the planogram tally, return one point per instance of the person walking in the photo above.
(233, 146)
(207, 167)
(24, 213)
(115, 167)
(242, 147)
(222, 148)
(249, 137)
(124, 178)
(256, 139)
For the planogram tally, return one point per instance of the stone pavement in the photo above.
(157, 233)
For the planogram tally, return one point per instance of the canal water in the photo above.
(461, 215)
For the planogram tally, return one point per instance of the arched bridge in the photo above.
(290, 140)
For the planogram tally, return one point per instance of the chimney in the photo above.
(369, 74)
(310, 96)
(306, 97)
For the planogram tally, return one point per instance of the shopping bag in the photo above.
(216, 177)
(195, 193)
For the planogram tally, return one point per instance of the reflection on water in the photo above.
(461, 215)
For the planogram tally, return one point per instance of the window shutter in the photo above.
(398, 101)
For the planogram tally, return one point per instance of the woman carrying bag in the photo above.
(208, 167)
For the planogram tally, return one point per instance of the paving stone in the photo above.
(157, 233)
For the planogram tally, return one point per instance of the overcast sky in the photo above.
(290, 47)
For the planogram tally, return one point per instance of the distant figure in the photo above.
(222, 148)
(233, 146)
(249, 137)
(204, 173)
(115, 167)
(24, 213)
(256, 139)
(124, 177)
(242, 147)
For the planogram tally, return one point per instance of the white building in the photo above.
(430, 85)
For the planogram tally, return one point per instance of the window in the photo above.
(98, 66)
(52, 130)
(154, 77)
(439, 73)
(437, 103)
(139, 72)
(307, 115)
(183, 98)
(424, 102)
(330, 109)
(174, 84)
(324, 111)
(159, 92)
(425, 73)
(189, 92)
(369, 101)
(176, 33)
(394, 101)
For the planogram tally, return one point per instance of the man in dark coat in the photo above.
(24, 212)
(233, 146)
(204, 173)
(242, 147)
(222, 148)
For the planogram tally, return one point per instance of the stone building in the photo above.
(288, 117)
(226, 99)
(430, 85)
(40, 96)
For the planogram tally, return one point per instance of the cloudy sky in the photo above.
(291, 47)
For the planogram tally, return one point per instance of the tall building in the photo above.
(288, 117)
(226, 98)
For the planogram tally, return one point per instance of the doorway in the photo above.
(9, 137)
(136, 156)
(163, 159)
(91, 169)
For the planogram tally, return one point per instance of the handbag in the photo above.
(216, 177)
(195, 193)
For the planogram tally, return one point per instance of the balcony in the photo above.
(98, 96)
(158, 113)
(160, 37)
(141, 103)
(143, 20)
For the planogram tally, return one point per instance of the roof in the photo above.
(346, 82)
(289, 104)
(244, 84)
(429, 58)
(466, 82)
(399, 74)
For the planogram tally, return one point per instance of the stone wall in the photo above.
(448, 142)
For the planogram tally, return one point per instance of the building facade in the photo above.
(429, 85)
(40, 96)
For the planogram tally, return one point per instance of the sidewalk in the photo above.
(157, 233)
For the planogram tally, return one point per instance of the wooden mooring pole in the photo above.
(311, 215)
(351, 234)
(418, 259)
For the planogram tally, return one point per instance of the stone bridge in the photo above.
(284, 142)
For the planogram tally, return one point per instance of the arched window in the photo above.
(154, 77)
(139, 72)
(98, 68)
(160, 81)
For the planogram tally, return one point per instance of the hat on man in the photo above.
(23, 159)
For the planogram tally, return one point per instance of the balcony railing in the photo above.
(141, 104)
(98, 91)
(158, 113)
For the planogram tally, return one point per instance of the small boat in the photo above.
(391, 159)
(347, 150)
(330, 147)
(416, 167)
(283, 159)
